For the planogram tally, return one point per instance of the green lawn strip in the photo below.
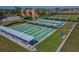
(9, 46)
(48, 44)
(4, 23)
(15, 23)
(70, 16)
(52, 42)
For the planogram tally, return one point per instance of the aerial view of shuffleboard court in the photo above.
(32, 33)
(39, 29)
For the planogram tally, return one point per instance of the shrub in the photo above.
(28, 17)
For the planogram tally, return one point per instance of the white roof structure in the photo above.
(17, 33)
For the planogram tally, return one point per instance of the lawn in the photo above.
(12, 23)
(4, 23)
(53, 41)
(7, 45)
(70, 16)
(72, 43)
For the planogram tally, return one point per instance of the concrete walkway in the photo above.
(61, 45)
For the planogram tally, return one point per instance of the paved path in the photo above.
(61, 45)
(72, 43)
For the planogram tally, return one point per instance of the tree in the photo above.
(28, 17)
(57, 10)
(18, 11)
(42, 13)
(2, 14)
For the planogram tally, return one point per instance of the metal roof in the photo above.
(17, 33)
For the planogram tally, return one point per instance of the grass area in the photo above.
(12, 23)
(72, 43)
(4, 23)
(70, 16)
(53, 41)
(15, 24)
(8, 46)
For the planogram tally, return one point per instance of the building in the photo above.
(29, 12)
(21, 37)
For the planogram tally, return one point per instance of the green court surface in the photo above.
(38, 32)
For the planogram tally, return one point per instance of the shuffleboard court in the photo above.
(31, 33)
(38, 31)
(34, 30)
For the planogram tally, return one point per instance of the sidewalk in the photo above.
(61, 45)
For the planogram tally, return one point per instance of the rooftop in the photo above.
(17, 33)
